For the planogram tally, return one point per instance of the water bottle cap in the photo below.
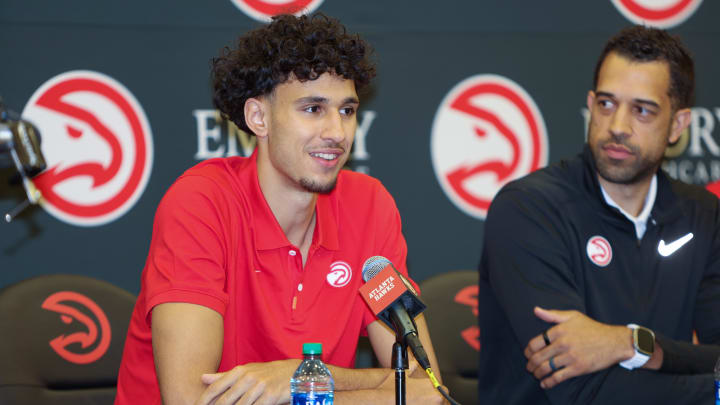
(312, 348)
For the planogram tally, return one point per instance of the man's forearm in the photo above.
(348, 379)
(417, 391)
(368, 397)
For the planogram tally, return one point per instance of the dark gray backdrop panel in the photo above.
(160, 51)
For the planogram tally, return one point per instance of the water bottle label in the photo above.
(317, 399)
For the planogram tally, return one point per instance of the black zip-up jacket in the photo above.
(536, 253)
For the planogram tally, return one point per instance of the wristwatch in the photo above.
(643, 343)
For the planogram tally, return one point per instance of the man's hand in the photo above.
(252, 383)
(578, 345)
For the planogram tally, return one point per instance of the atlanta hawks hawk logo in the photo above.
(339, 275)
(599, 251)
(487, 131)
(469, 296)
(92, 341)
(97, 144)
(264, 10)
(657, 13)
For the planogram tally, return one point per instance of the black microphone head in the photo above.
(373, 266)
(26, 140)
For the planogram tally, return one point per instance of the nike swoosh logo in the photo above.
(672, 247)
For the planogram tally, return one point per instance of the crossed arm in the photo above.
(579, 345)
(585, 348)
(533, 268)
(187, 347)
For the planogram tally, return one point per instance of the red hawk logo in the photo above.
(468, 296)
(264, 10)
(487, 131)
(599, 251)
(657, 13)
(96, 334)
(339, 275)
(97, 144)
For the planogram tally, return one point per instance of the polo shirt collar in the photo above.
(267, 231)
(326, 210)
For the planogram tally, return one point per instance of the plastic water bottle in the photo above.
(312, 383)
(717, 382)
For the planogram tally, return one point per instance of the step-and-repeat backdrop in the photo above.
(470, 95)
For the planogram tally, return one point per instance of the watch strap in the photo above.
(639, 359)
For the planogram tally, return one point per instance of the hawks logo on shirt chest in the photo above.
(599, 250)
(339, 275)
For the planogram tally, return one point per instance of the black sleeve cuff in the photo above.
(687, 358)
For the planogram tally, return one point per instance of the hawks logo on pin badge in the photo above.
(599, 251)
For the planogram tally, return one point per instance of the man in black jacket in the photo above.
(596, 271)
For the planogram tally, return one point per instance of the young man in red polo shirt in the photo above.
(251, 257)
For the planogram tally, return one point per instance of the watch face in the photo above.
(645, 341)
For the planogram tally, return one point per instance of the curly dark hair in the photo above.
(304, 46)
(645, 44)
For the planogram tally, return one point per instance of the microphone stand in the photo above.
(400, 364)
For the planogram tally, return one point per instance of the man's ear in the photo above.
(680, 122)
(256, 116)
(590, 100)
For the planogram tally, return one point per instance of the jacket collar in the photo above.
(666, 207)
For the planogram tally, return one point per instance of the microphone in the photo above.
(21, 140)
(393, 299)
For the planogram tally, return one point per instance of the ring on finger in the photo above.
(546, 338)
(552, 364)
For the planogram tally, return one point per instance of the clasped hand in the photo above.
(252, 383)
(578, 345)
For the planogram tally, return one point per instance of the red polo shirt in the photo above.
(216, 243)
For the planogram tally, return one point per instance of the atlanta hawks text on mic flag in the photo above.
(384, 286)
(394, 300)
